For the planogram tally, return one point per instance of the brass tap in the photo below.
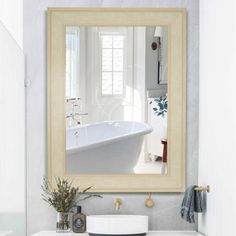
(118, 203)
(149, 202)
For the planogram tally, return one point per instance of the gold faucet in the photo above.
(149, 202)
(118, 203)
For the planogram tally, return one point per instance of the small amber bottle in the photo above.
(78, 221)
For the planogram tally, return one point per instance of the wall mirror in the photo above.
(114, 123)
(116, 98)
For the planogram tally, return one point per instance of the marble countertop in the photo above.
(150, 233)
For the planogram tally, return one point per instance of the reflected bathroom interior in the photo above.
(116, 100)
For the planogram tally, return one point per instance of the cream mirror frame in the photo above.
(175, 20)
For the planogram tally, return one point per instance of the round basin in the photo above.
(117, 225)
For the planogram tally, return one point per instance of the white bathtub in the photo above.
(105, 147)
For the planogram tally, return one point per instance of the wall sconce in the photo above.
(157, 46)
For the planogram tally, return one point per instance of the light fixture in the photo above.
(158, 31)
(157, 45)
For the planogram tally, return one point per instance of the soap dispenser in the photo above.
(78, 221)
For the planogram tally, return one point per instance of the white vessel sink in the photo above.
(117, 225)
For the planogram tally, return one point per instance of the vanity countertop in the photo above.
(150, 233)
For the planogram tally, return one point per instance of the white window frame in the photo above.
(113, 31)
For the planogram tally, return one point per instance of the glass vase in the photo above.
(63, 222)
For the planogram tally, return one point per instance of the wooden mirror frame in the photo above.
(175, 20)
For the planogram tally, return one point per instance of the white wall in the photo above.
(165, 214)
(217, 116)
(11, 15)
(12, 136)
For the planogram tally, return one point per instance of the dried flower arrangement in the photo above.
(64, 196)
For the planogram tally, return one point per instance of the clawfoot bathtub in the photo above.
(110, 147)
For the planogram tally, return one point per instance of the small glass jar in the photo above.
(63, 222)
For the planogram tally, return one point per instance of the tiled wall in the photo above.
(165, 214)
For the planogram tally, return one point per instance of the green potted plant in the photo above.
(63, 198)
(160, 109)
(161, 106)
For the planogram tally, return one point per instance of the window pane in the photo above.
(118, 83)
(106, 83)
(107, 41)
(118, 41)
(107, 59)
(118, 59)
(112, 64)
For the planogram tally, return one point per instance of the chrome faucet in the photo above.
(72, 99)
(73, 115)
(69, 116)
(76, 115)
(81, 114)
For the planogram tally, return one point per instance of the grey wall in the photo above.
(165, 214)
(151, 68)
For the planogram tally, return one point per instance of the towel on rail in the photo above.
(192, 202)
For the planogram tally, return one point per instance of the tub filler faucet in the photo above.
(76, 116)
(73, 115)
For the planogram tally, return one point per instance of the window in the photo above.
(72, 62)
(112, 63)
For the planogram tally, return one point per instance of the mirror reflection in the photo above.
(116, 100)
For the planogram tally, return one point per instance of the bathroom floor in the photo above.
(157, 167)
